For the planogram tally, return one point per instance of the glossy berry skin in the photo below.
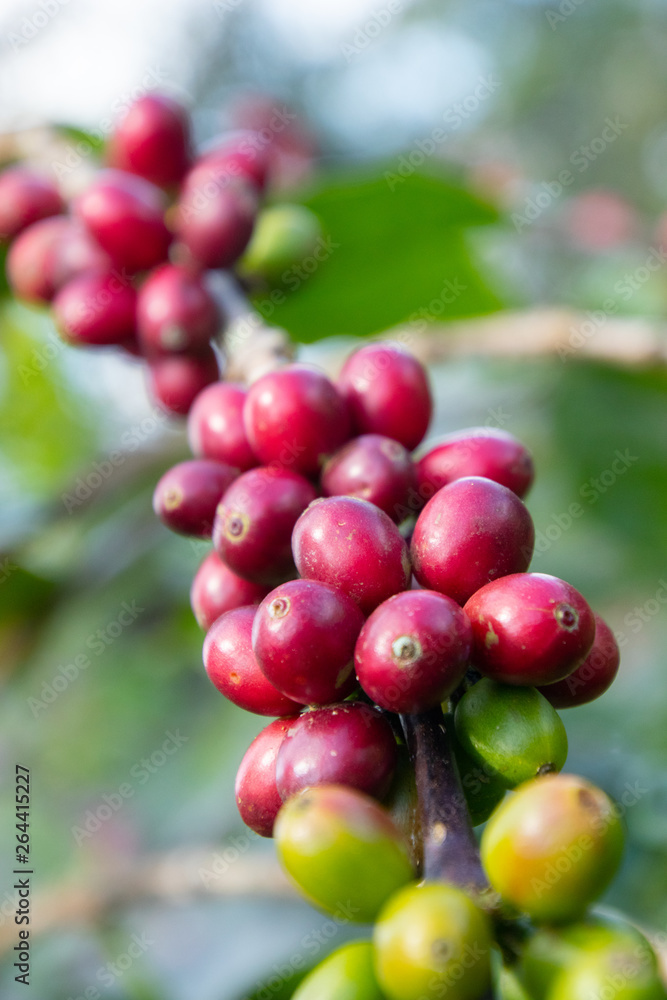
(353, 546)
(530, 628)
(48, 254)
(478, 451)
(295, 418)
(175, 382)
(175, 312)
(233, 669)
(254, 522)
(25, 197)
(346, 974)
(257, 797)
(153, 140)
(344, 744)
(624, 972)
(470, 532)
(96, 308)
(482, 791)
(125, 214)
(216, 429)
(186, 497)
(413, 651)
(592, 677)
(342, 850)
(388, 393)
(431, 940)
(303, 638)
(373, 468)
(217, 589)
(553, 847)
(214, 221)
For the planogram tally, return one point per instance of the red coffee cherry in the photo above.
(470, 532)
(529, 628)
(241, 154)
(303, 637)
(592, 677)
(152, 140)
(186, 497)
(233, 669)
(254, 522)
(175, 312)
(25, 197)
(257, 796)
(217, 589)
(175, 382)
(413, 651)
(125, 214)
(216, 429)
(373, 468)
(387, 392)
(295, 417)
(353, 546)
(345, 744)
(215, 219)
(478, 451)
(96, 308)
(48, 254)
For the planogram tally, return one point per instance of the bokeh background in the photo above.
(518, 148)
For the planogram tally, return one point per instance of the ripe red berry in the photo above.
(373, 468)
(48, 254)
(353, 546)
(215, 219)
(529, 628)
(479, 451)
(295, 417)
(241, 154)
(388, 393)
(96, 308)
(217, 589)
(233, 669)
(470, 532)
(345, 744)
(175, 382)
(413, 651)
(25, 197)
(176, 312)
(125, 214)
(186, 497)
(303, 637)
(257, 796)
(592, 677)
(216, 428)
(254, 522)
(153, 140)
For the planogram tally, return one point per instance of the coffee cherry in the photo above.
(592, 677)
(125, 214)
(479, 451)
(621, 972)
(529, 628)
(186, 497)
(175, 382)
(353, 546)
(512, 733)
(346, 974)
(553, 847)
(342, 850)
(470, 532)
(432, 941)
(214, 222)
(238, 155)
(413, 651)
(25, 197)
(344, 744)
(96, 308)
(176, 312)
(216, 589)
(152, 140)
(215, 426)
(388, 393)
(254, 521)
(510, 986)
(294, 417)
(373, 468)
(48, 254)
(483, 793)
(283, 236)
(303, 638)
(233, 669)
(257, 797)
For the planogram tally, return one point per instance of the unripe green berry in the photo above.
(347, 974)
(510, 986)
(483, 792)
(283, 236)
(621, 973)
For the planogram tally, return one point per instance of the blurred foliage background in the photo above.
(517, 149)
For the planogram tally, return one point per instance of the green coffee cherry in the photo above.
(283, 236)
(343, 850)
(553, 847)
(347, 974)
(511, 732)
(432, 941)
(482, 791)
(621, 973)
(510, 986)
